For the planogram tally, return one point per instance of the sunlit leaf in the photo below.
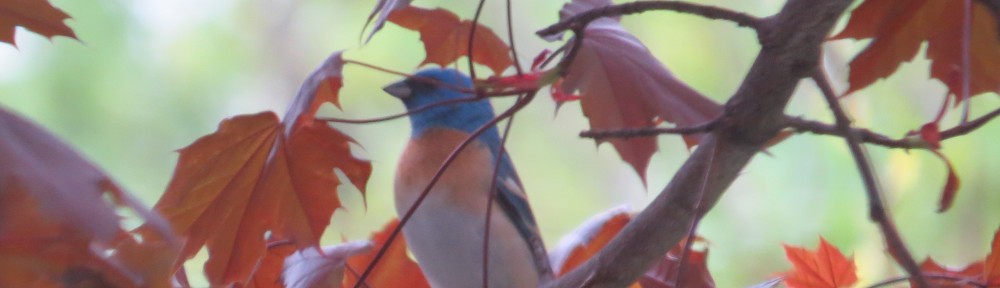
(257, 175)
(446, 38)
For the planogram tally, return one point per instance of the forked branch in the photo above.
(753, 116)
(868, 136)
(875, 205)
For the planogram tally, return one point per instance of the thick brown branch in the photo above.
(754, 115)
(711, 12)
(868, 136)
(876, 207)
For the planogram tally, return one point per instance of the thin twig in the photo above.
(437, 176)
(581, 20)
(490, 198)
(966, 59)
(930, 276)
(877, 210)
(867, 136)
(510, 38)
(695, 221)
(472, 36)
(652, 131)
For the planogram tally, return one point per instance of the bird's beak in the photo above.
(399, 89)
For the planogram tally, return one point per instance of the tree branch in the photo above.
(711, 12)
(875, 205)
(753, 116)
(868, 136)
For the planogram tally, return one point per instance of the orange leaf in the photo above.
(664, 273)
(56, 228)
(36, 15)
(991, 269)
(394, 269)
(951, 184)
(446, 38)
(962, 276)
(256, 175)
(899, 27)
(624, 86)
(595, 241)
(826, 267)
(587, 240)
(268, 274)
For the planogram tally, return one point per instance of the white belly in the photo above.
(448, 245)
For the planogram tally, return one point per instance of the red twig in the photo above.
(877, 210)
(472, 36)
(491, 196)
(437, 176)
(867, 136)
(696, 220)
(510, 38)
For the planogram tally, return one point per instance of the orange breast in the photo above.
(463, 184)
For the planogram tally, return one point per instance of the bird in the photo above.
(446, 232)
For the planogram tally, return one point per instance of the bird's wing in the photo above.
(513, 201)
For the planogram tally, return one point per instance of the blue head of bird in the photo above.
(430, 87)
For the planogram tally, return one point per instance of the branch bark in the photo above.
(791, 45)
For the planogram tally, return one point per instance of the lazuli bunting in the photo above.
(446, 232)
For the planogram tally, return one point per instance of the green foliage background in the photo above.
(148, 77)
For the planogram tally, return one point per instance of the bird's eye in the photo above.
(420, 85)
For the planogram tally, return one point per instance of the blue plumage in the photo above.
(432, 86)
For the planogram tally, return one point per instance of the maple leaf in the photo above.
(446, 38)
(899, 27)
(312, 268)
(383, 8)
(622, 85)
(257, 175)
(961, 277)
(991, 269)
(394, 269)
(268, 273)
(56, 226)
(587, 240)
(36, 15)
(826, 267)
(930, 133)
(664, 273)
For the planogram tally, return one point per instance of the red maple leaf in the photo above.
(991, 269)
(959, 278)
(446, 38)
(56, 226)
(256, 175)
(825, 268)
(899, 27)
(36, 15)
(394, 269)
(622, 85)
